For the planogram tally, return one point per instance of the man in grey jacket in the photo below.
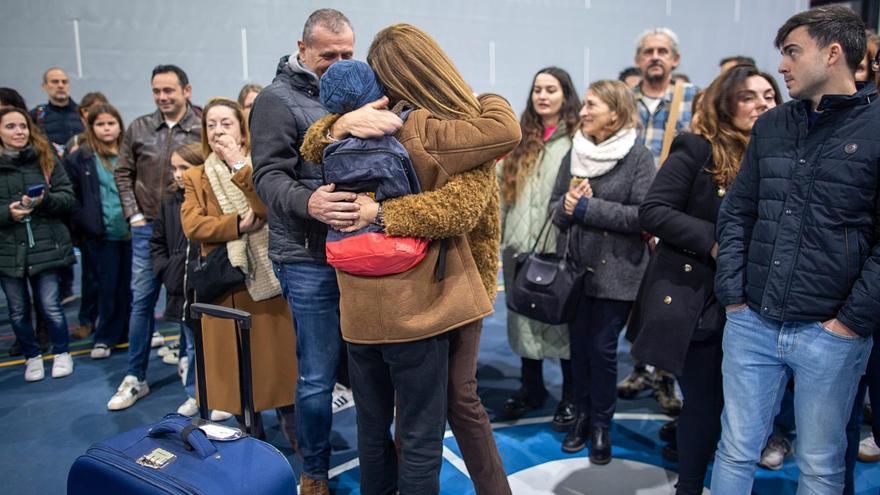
(299, 217)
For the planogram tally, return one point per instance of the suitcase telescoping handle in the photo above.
(242, 321)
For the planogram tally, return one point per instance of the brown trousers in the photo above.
(468, 418)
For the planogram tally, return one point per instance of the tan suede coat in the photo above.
(273, 342)
(465, 210)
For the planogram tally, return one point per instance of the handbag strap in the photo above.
(541, 234)
(545, 230)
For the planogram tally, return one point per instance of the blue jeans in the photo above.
(313, 296)
(144, 293)
(759, 357)
(47, 292)
(189, 385)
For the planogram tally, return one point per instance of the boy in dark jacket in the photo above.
(170, 251)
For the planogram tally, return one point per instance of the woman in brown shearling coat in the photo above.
(390, 322)
(239, 214)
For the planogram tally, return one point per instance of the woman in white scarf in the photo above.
(220, 207)
(598, 190)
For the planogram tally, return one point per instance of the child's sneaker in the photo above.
(158, 340)
(62, 365)
(100, 351)
(33, 370)
(189, 408)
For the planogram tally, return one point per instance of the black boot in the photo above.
(522, 402)
(565, 415)
(576, 438)
(668, 430)
(532, 394)
(600, 446)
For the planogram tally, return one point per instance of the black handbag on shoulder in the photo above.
(213, 276)
(545, 286)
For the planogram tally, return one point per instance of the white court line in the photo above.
(459, 463)
(456, 461)
(345, 466)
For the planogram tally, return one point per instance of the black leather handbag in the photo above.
(213, 276)
(545, 286)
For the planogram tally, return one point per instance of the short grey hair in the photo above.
(673, 38)
(331, 19)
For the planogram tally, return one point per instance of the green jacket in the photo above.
(51, 240)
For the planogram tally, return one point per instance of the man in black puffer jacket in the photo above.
(799, 257)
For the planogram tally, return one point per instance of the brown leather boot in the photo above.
(308, 486)
(82, 331)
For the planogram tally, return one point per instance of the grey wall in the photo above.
(121, 40)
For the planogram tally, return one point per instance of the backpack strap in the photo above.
(672, 120)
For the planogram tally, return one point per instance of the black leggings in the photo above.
(699, 424)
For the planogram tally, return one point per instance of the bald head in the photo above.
(57, 86)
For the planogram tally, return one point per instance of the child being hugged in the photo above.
(378, 167)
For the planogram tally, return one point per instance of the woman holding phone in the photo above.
(34, 243)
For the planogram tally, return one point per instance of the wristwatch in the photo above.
(379, 221)
(238, 166)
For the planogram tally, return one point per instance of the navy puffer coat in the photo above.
(798, 232)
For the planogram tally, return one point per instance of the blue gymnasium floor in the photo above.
(49, 423)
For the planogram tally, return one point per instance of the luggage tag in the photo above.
(221, 433)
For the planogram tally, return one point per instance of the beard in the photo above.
(655, 77)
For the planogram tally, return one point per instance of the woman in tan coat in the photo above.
(221, 207)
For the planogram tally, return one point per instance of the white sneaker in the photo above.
(158, 340)
(33, 370)
(62, 365)
(218, 415)
(189, 408)
(868, 450)
(183, 369)
(172, 358)
(774, 454)
(342, 398)
(100, 351)
(129, 391)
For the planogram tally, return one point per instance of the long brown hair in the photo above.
(98, 146)
(239, 114)
(191, 153)
(413, 67)
(715, 123)
(521, 162)
(45, 152)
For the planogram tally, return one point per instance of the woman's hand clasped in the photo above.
(369, 208)
(574, 194)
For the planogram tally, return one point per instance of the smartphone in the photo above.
(36, 190)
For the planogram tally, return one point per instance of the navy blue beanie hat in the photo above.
(349, 84)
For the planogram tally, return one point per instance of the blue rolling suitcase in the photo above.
(182, 456)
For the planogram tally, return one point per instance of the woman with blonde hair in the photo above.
(595, 201)
(527, 175)
(679, 320)
(220, 208)
(416, 334)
